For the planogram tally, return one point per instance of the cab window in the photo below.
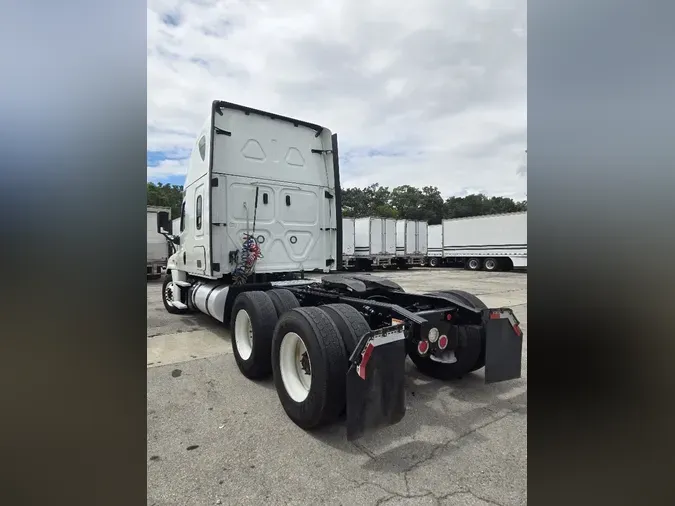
(182, 217)
(198, 212)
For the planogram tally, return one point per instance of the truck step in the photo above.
(184, 284)
(179, 305)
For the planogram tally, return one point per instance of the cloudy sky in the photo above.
(421, 93)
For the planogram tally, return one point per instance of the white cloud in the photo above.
(441, 84)
(168, 168)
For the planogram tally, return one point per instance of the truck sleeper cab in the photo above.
(331, 344)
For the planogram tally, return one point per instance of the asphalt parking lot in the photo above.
(215, 437)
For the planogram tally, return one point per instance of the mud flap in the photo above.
(503, 345)
(375, 382)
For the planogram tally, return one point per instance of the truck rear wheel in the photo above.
(310, 366)
(254, 318)
(433, 262)
(490, 264)
(451, 364)
(472, 264)
(283, 300)
(351, 324)
(168, 296)
(476, 303)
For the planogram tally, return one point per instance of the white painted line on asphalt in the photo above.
(185, 346)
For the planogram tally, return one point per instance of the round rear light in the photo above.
(422, 347)
(433, 334)
(443, 342)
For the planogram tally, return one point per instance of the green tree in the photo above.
(373, 200)
(165, 195)
(406, 202)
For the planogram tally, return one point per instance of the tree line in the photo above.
(402, 202)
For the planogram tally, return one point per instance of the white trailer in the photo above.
(492, 242)
(401, 230)
(158, 249)
(374, 242)
(390, 237)
(435, 245)
(261, 207)
(411, 243)
(422, 239)
(348, 236)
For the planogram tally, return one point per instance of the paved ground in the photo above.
(215, 437)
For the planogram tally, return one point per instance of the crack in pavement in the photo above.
(408, 495)
(385, 500)
(392, 493)
(437, 499)
(442, 446)
(469, 492)
(363, 449)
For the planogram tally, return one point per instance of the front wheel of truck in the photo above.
(169, 292)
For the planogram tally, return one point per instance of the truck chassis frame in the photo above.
(447, 335)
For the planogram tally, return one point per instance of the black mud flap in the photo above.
(375, 382)
(503, 345)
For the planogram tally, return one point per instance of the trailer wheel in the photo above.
(474, 301)
(451, 364)
(283, 300)
(490, 264)
(472, 264)
(168, 297)
(351, 324)
(433, 262)
(254, 318)
(310, 367)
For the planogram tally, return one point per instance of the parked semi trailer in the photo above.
(374, 242)
(158, 250)
(493, 242)
(348, 243)
(435, 245)
(261, 207)
(411, 242)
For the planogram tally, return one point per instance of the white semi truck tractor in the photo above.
(262, 207)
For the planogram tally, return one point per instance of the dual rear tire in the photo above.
(306, 349)
(489, 264)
